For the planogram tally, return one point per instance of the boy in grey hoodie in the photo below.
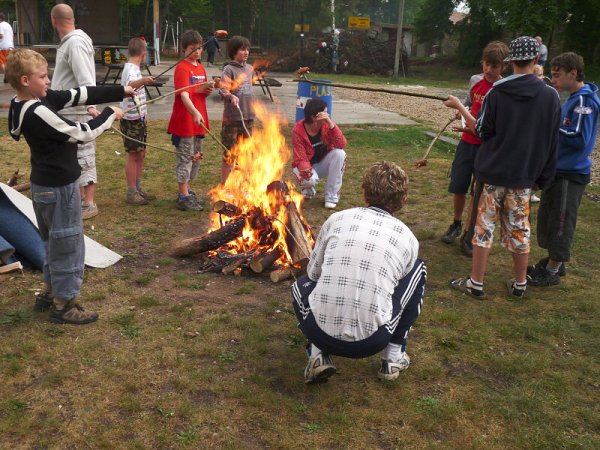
(236, 90)
(74, 68)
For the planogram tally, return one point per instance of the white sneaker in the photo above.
(319, 369)
(534, 199)
(390, 370)
(330, 205)
(88, 211)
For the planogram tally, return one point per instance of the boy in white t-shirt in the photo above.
(133, 124)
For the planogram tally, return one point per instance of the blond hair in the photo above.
(385, 184)
(22, 61)
(538, 71)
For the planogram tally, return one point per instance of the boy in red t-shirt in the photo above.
(189, 117)
(461, 174)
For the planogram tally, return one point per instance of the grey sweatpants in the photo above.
(58, 213)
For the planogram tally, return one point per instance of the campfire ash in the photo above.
(256, 222)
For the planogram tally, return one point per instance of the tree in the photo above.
(432, 20)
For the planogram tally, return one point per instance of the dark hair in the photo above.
(136, 46)
(495, 53)
(190, 37)
(522, 63)
(313, 106)
(569, 61)
(235, 43)
(2, 16)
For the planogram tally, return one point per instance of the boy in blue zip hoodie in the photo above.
(560, 201)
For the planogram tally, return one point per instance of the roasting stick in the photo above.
(146, 144)
(303, 71)
(243, 122)
(214, 137)
(138, 105)
(160, 97)
(423, 161)
(173, 65)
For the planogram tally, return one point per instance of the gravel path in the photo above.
(430, 112)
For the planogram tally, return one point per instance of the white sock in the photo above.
(392, 352)
(314, 350)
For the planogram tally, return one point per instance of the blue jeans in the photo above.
(58, 213)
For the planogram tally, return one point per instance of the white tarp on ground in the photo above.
(96, 255)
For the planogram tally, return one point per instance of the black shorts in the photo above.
(135, 129)
(463, 168)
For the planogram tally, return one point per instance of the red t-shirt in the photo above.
(477, 94)
(181, 122)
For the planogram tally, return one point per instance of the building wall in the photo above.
(99, 19)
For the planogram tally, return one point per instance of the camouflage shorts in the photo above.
(135, 129)
(511, 206)
(231, 132)
(187, 169)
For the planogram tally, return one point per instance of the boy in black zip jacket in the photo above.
(53, 140)
(518, 124)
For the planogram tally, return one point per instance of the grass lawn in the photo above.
(186, 360)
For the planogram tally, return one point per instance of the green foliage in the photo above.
(431, 21)
(481, 28)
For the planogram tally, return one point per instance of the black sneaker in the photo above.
(540, 276)
(513, 291)
(562, 270)
(466, 245)
(188, 204)
(43, 302)
(452, 233)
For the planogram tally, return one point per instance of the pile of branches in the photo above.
(359, 53)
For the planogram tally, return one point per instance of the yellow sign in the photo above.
(359, 22)
(305, 30)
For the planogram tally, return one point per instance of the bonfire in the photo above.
(256, 221)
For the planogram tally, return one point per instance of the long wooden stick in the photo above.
(173, 65)
(160, 97)
(423, 161)
(370, 89)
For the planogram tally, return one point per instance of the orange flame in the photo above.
(259, 161)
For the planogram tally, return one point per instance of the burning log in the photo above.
(265, 259)
(222, 260)
(213, 240)
(296, 240)
(226, 208)
(233, 266)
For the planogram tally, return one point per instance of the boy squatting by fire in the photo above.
(365, 282)
(53, 140)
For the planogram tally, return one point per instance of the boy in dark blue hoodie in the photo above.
(557, 215)
(518, 124)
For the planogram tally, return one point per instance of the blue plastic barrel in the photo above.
(307, 91)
